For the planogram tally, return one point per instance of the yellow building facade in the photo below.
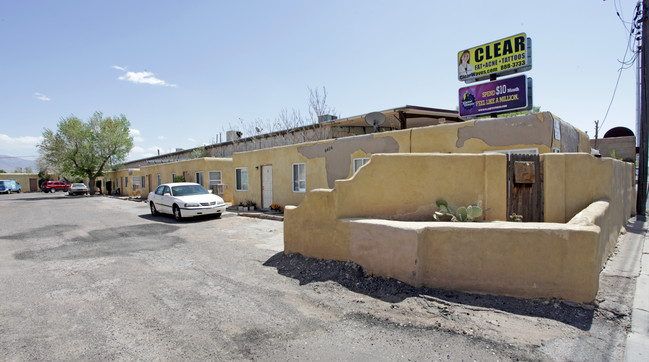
(138, 182)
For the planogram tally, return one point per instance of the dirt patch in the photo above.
(525, 323)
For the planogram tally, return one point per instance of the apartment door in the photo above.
(266, 186)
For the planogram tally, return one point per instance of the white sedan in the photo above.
(185, 199)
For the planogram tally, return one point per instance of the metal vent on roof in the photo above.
(326, 118)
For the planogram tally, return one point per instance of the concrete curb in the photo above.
(261, 215)
(637, 342)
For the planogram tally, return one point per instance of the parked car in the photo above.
(53, 186)
(78, 189)
(185, 199)
(9, 186)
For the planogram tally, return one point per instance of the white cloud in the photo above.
(141, 77)
(42, 97)
(138, 152)
(162, 138)
(19, 145)
(191, 140)
(136, 135)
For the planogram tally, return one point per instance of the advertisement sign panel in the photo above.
(503, 95)
(501, 57)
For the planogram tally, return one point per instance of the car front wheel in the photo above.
(177, 214)
(154, 212)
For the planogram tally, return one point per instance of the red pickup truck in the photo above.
(52, 186)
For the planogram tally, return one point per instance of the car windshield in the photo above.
(188, 190)
(78, 185)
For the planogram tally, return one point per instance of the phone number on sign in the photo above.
(512, 65)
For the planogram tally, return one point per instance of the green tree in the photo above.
(199, 152)
(2, 171)
(85, 149)
(43, 176)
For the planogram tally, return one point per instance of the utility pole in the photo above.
(641, 200)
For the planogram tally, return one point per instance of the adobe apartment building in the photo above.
(284, 174)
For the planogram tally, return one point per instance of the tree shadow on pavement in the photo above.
(351, 276)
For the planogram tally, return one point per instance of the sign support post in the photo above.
(641, 200)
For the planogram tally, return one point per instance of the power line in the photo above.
(632, 45)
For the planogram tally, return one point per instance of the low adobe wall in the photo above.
(529, 260)
(381, 219)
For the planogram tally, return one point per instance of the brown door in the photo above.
(524, 188)
(33, 185)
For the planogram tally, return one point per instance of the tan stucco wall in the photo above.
(571, 182)
(520, 132)
(503, 258)
(22, 179)
(394, 186)
(623, 147)
(406, 186)
(362, 220)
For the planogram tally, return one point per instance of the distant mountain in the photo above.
(9, 163)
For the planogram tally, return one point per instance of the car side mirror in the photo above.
(211, 191)
(167, 194)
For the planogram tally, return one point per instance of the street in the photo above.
(97, 278)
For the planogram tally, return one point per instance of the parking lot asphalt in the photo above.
(89, 278)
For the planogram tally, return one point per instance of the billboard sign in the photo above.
(503, 95)
(501, 57)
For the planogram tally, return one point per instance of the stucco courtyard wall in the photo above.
(529, 260)
(378, 222)
(398, 187)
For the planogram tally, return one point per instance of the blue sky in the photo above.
(184, 72)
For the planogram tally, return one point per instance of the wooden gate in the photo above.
(524, 188)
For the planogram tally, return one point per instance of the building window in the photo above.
(159, 180)
(242, 179)
(143, 183)
(299, 177)
(136, 182)
(358, 162)
(173, 177)
(215, 178)
(126, 182)
(199, 178)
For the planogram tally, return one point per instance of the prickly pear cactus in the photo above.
(446, 213)
(461, 214)
(474, 211)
